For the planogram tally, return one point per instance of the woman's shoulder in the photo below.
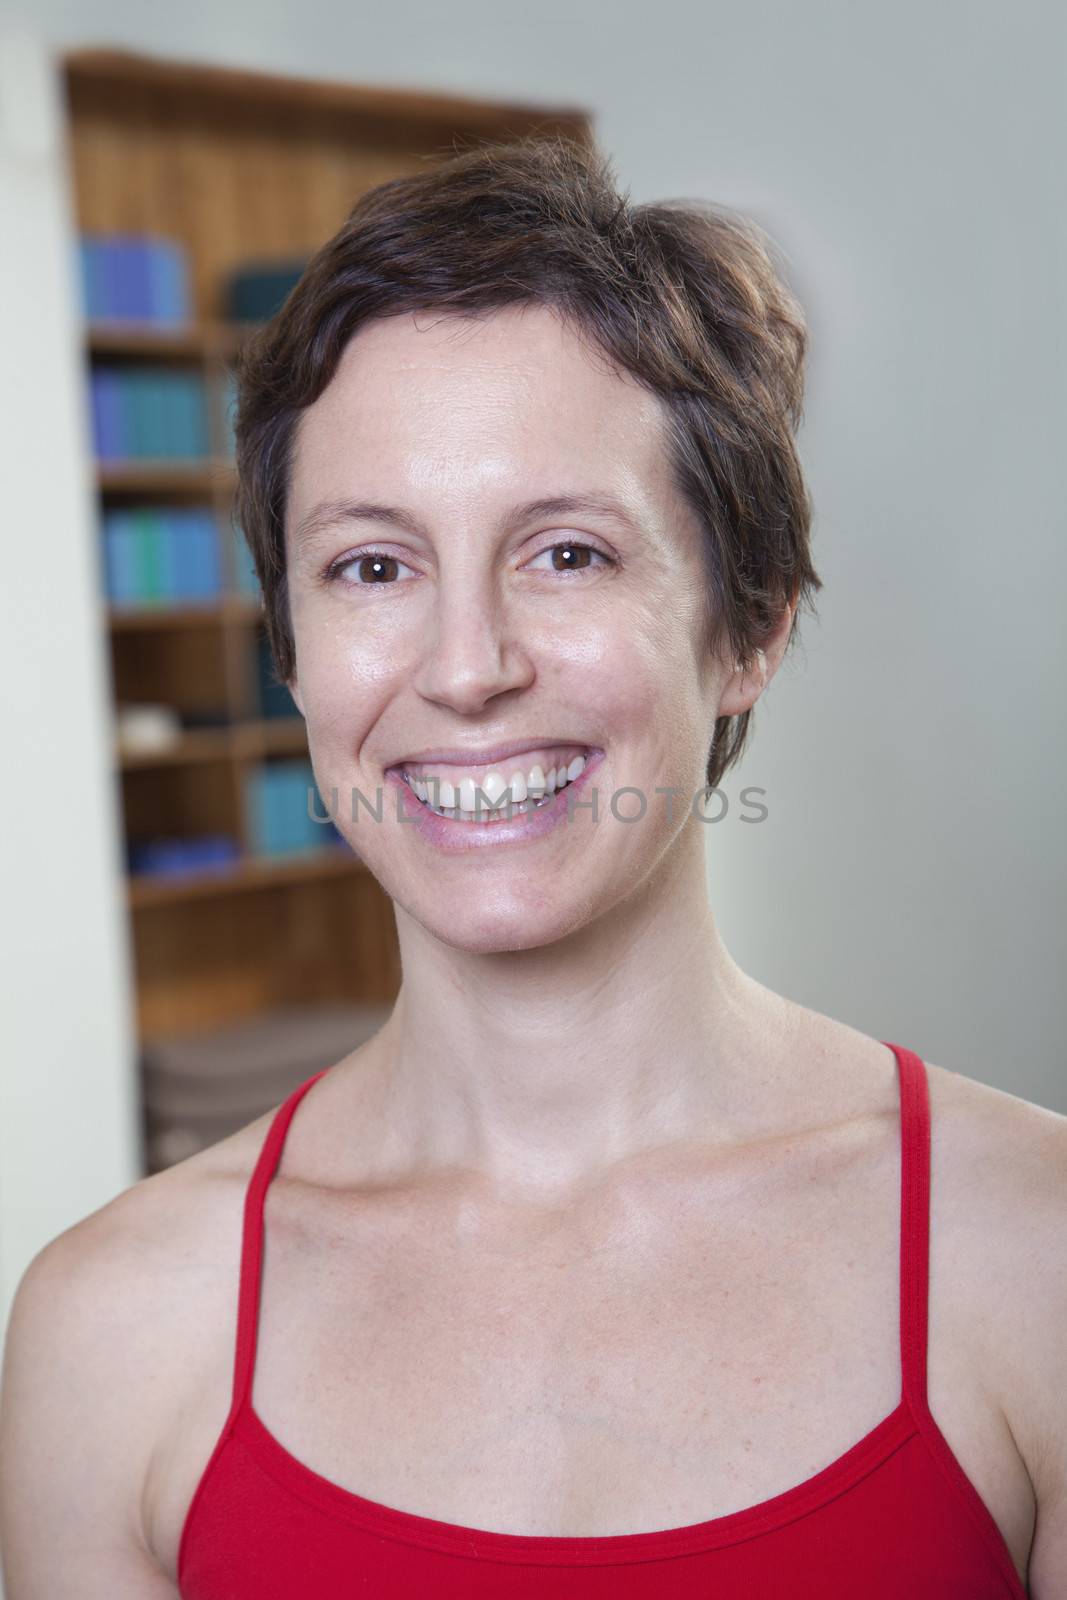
(990, 1131)
(999, 1236)
(135, 1276)
(113, 1323)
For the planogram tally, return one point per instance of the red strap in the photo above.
(914, 1220)
(252, 1243)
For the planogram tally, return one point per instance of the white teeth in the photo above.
(522, 791)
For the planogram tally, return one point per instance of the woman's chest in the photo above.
(585, 1381)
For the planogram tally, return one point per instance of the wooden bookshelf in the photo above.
(239, 168)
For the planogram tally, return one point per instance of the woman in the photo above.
(601, 1269)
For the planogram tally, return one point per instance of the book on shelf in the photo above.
(147, 413)
(160, 556)
(284, 809)
(134, 277)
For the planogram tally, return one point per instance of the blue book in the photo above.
(318, 827)
(138, 279)
(97, 413)
(122, 284)
(105, 256)
(182, 569)
(120, 558)
(169, 554)
(108, 414)
(88, 276)
(131, 300)
(255, 811)
(292, 783)
(169, 283)
(263, 816)
(208, 852)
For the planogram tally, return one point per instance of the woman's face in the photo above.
(442, 614)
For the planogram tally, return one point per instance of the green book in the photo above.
(148, 556)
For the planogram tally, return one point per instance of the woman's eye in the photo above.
(372, 568)
(574, 557)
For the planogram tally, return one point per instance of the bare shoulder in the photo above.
(110, 1324)
(999, 1177)
(1003, 1163)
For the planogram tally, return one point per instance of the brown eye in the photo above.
(369, 570)
(573, 556)
(376, 569)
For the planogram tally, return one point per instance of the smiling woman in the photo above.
(683, 301)
(602, 1269)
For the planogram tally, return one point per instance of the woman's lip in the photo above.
(483, 758)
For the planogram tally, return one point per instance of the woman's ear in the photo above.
(743, 689)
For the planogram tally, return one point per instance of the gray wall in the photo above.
(909, 159)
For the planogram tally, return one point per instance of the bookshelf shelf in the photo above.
(147, 892)
(244, 741)
(193, 343)
(232, 609)
(210, 744)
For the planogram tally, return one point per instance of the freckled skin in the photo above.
(478, 634)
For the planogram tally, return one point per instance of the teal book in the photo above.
(135, 384)
(292, 785)
(199, 441)
(156, 419)
(264, 814)
(148, 557)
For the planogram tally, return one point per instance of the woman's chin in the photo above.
(485, 931)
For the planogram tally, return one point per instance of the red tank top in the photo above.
(895, 1515)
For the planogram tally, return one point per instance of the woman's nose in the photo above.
(472, 651)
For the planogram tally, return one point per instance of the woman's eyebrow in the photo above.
(332, 513)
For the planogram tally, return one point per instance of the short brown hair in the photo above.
(684, 296)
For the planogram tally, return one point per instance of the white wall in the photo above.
(909, 159)
(67, 1109)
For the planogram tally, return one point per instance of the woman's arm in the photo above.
(1040, 1317)
(76, 1418)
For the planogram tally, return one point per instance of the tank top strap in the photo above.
(914, 1221)
(252, 1242)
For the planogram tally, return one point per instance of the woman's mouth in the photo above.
(518, 800)
(522, 785)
